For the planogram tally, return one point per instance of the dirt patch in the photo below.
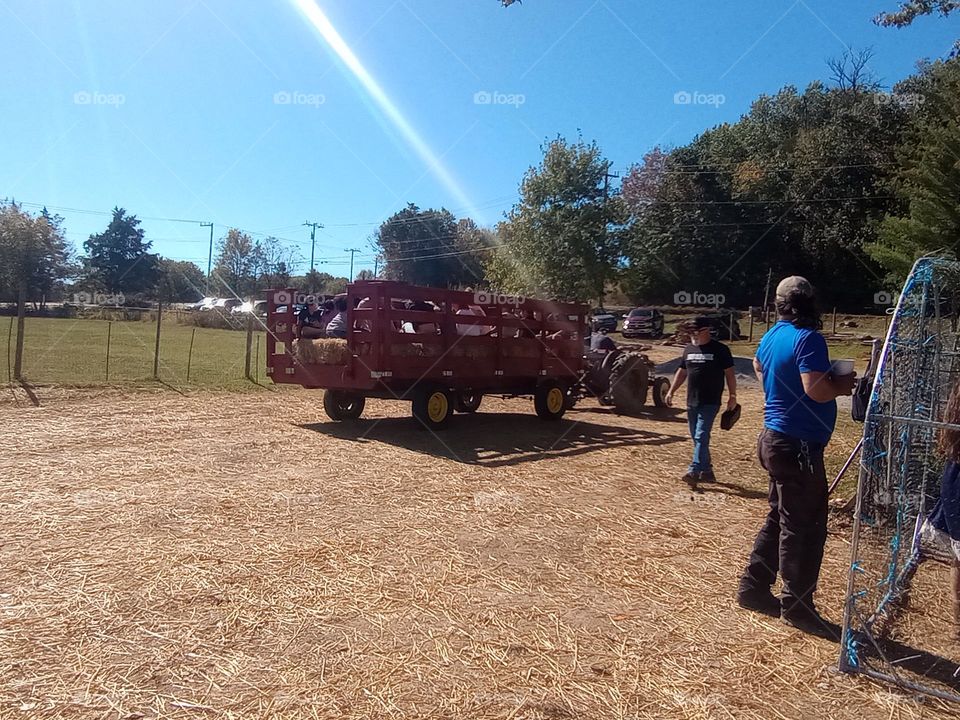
(219, 555)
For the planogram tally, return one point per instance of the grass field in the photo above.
(74, 352)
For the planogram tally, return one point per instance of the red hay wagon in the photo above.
(516, 347)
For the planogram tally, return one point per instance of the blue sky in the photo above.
(242, 113)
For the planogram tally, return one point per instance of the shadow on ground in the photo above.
(495, 439)
(911, 665)
(671, 414)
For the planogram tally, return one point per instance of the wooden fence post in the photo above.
(834, 321)
(9, 351)
(107, 366)
(246, 371)
(156, 351)
(193, 335)
(21, 319)
(257, 371)
(751, 323)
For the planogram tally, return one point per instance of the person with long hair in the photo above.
(800, 411)
(942, 527)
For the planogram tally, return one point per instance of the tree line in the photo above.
(844, 182)
(38, 265)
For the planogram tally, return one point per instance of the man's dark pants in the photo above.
(795, 531)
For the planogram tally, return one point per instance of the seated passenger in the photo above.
(420, 328)
(600, 342)
(363, 325)
(328, 311)
(474, 330)
(337, 327)
(525, 331)
(310, 321)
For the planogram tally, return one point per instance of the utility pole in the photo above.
(606, 179)
(376, 265)
(313, 239)
(209, 255)
(351, 251)
(766, 297)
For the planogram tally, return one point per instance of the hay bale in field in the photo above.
(322, 351)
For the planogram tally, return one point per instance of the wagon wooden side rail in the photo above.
(441, 349)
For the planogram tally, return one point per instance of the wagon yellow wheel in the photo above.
(550, 400)
(438, 406)
(432, 407)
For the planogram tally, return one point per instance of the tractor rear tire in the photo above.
(629, 382)
(340, 405)
(468, 401)
(550, 400)
(661, 386)
(432, 407)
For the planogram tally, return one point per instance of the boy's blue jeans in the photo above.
(701, 420)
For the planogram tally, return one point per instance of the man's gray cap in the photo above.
(794, 285)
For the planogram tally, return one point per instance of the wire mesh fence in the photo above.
(85, 351)
(894, 629)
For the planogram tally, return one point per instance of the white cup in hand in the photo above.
(839, 368)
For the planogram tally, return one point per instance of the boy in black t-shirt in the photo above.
(706, 363)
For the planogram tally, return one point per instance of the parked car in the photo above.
(643, 322)
(600, 319)
(224, 305)
(204, 304)
(720, 326)
(255, 307)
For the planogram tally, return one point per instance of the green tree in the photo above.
(910, 10)
(235, 264)
(929, 180)
(32, 250)
(320, 283)
(272, 264)
(798, 185)
(430, 248)
(34, 255)
(180, 281)
(118, 259)
(563, 238)
(365, 275)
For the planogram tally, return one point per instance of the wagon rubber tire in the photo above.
(629, 383)
(340, 405)
(432, 407)
(468, 401)
(550, 400)
(661, 386)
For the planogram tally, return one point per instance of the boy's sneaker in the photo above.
(761, 601)
(691, 477)
(708, 476)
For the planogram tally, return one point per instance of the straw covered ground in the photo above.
(237, 556)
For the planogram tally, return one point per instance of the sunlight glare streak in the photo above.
(318, 19)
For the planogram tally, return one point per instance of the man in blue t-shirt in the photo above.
(800, 411)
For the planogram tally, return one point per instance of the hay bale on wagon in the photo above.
(322, 351)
